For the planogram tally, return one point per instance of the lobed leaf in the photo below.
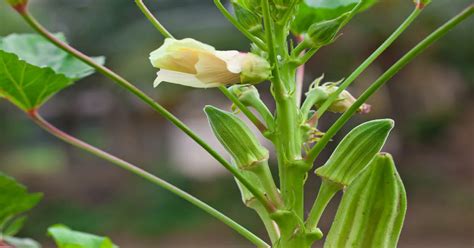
(372, 209)
(36, 50)
(28, 86)
(32, 70)
(67, 238)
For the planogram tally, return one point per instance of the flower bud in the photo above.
(323, 33)
(376, 201)
(251, 21)
(254, 69)
(355, 151)
(192, 63)
(343, 102)
(254, 6)
(249, 96)
(245, 93)
(236, 138)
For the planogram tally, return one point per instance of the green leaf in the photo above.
(372, 209)
(67, 238)
(355, 151)
(314, 11)
(32, 70)
(14, 226)
(22, 242)
(28, 86)
(14, 199)
(36, 50)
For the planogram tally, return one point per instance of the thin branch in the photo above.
(145, 175)
(153, 20)
(244, 109)
(408, 57)
(333, 97)
(307, 56)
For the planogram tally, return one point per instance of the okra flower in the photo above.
(192, 63)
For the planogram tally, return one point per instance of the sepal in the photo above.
(323, 33)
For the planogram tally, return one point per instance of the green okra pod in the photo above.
(236, 138)
(372, 209)
(355, 151)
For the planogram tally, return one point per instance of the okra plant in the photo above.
(283, 35)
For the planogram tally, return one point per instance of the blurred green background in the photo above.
(431, 100)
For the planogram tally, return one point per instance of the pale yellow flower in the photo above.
(192, 63)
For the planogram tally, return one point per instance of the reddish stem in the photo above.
(299, 75)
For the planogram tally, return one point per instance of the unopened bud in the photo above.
(236, 138)
(324, 33)
(343, 102)
(251, 21)
(246, 93)
(255, 69)
(253, 6)
(249, 96)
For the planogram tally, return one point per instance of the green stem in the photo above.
(146, 175)
(244, 109)
(300, 48)
(311, 99)
(368, 61)
(148, 100)
(262, 171)
(263, 110)
(152, 19)
(239, 26)
(288, 138)
(272, 53)
(419, 48)
(325, 194)
(289, 14)
(308, 55)
(270, 226)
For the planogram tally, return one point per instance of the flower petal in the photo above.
(232, 58)
(185, 79)
(179, 55)
(212, 69)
